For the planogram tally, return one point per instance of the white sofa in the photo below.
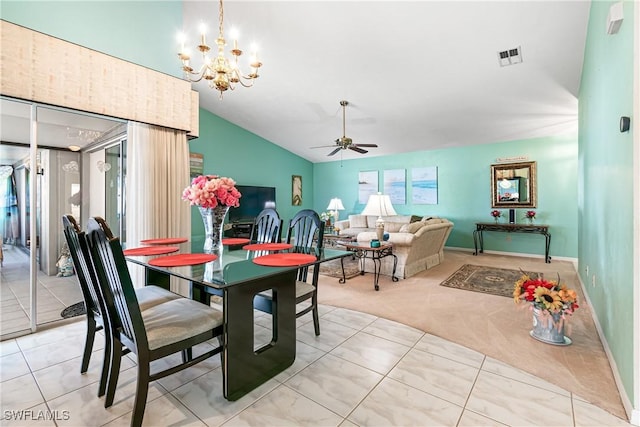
(419, 245)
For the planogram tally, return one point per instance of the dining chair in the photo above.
(267, 227)
(305, 233)
(147, 296)
(165, 329)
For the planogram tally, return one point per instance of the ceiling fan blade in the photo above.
(366, 145)
(334, 151)
(359, 150)
(324, 146)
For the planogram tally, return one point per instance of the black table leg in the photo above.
(376, 270)
(547, 258)
(395, 264)
(244, 368)
(344, 277)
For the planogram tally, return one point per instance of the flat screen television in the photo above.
(254, 199)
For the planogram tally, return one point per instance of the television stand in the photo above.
(241, 229)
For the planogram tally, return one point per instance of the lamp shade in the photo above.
(379, 205)
(335, 205)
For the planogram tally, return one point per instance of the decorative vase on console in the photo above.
(496, 214)
(530, 216)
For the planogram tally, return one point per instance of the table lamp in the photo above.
(380, 205)
(335, 205)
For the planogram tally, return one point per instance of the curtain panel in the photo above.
(157, 173)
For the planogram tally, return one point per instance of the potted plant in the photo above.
(552, 304)
(496, 214)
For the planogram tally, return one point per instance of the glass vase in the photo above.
(213, 219)
(548, 327)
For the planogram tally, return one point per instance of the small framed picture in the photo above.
(296, 190)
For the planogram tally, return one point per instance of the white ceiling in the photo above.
(418, 75)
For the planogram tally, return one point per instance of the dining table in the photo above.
(237, 275)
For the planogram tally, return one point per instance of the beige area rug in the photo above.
(334, 268)
(489, 324)
(490, 280)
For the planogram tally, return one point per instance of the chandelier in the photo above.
(221, 73)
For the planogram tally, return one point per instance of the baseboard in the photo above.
(573, 261)
(632, 414)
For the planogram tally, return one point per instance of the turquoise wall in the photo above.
(142, 32)
(464, 192)
(606, 190)
(232, 151)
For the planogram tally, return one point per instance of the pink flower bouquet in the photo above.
(209, 191)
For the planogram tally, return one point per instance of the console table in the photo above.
(512, 228)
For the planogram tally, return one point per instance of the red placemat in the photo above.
(267, 246)
(182, 259)
(166, 241)
(150, 250)
(284, 259)
(234, 241)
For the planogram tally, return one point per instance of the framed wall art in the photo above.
(296, 190)
(367, 185)
(424, 186)
(395, 186)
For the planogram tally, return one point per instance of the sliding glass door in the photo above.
(42, 177)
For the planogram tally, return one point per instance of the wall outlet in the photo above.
(508, 238)
(593, 280)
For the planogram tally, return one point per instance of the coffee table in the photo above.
(363, 251)
(331, 240)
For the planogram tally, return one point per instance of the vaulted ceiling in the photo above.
(418, 75)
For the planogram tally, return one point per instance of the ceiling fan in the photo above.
(344, 142)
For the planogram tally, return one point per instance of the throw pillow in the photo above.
(411, 227)
(415, 218)
(357, 221)
(393, 227)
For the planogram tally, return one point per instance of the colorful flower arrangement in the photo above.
(549, 296)
(209, 191)
(530, 214)
(496, 214)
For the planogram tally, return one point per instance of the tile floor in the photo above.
(361, 371)
(54, 293)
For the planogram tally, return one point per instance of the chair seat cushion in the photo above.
(178, 319)
(150, 296)
(302, 289)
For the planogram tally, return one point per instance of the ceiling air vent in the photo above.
(510, 57)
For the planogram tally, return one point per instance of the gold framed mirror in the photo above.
(513, 185)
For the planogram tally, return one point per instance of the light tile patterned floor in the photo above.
(53, 294)
(361, 371)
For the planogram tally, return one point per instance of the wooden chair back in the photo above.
(267, 227)
(116, 285)
(76, 240)
(306, 232)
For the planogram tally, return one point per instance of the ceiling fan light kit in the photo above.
(344, 143)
